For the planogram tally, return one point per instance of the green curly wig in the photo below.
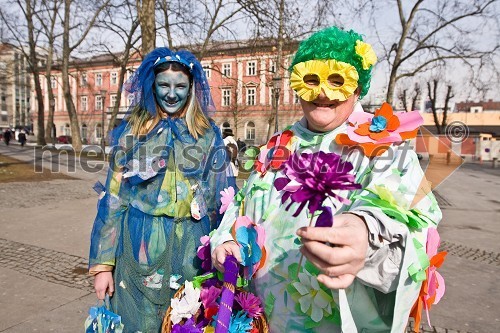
(334, 43)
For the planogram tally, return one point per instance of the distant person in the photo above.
(7, 135)
(242, 146)
(22, 138)
(232, 148)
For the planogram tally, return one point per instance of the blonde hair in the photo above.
(141, 121)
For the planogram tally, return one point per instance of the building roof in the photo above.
(489, 105)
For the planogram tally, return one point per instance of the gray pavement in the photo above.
(44, 237)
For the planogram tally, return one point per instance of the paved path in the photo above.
(45, 227)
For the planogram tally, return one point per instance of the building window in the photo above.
(226, 70)
(252, 68)
(83, 79)
(53, 82)
(84, 103)
(250, 96)
(98, 102)
(4, 116)
(66, 130)
(84, 133)
(206, 69)
(226, 97)
(98, 79)
(113, 100)
(296, 98)
(250, 131)
(114, 78)
(272, 66)
(98, 131)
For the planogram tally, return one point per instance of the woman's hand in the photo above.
(338, 251)
(222, 251)
(103, 283)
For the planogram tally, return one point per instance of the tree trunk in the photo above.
(70, 106)
(432, 91)
(449, 96)
(146, 12)
(33, 59)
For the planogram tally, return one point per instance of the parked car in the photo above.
(65, 139)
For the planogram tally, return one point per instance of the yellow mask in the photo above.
(338, 79)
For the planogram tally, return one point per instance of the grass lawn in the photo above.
(12, 170)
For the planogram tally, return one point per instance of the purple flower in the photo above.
(204, 253)
(311, 178)
(209, 296)
(188, 327)
(249, 303)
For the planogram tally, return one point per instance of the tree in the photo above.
(48, 16)
(83, 26)
(121, 22)
(409, 98)
(146, 13)
(432, 92)
(432, 33)
(25, 32)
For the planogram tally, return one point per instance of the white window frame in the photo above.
(98, 79)
(113, 99)
(84, 131)
(207, 70)
(114, 78)
(83, 79)
(226, 69)
(250, 131)
(226, 97)
(272, 66)
(252, 68)
(53, 82)
(296, 98)
(84, 103)
(251, 96)
(98, 131)
(98, 102)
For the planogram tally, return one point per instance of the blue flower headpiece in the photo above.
(141, 84)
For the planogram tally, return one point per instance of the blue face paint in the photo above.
(171, 91)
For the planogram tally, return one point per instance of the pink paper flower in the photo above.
(433, 287)
(227, 197)
(249, 303)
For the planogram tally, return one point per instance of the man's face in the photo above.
(171, 91)
(324, 115)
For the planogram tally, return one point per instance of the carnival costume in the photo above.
(160, 197)
(383, 186)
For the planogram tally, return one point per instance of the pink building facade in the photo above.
(241, 81)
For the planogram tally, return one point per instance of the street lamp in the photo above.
(276, 93)
(103, 99)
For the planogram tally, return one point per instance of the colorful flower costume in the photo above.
(160, 197)
(382, 295)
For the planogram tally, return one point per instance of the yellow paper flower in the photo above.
(365, 51)
(324, 70)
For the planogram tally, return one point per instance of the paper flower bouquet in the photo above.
(212, 303)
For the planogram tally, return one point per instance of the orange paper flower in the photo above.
(375, 133)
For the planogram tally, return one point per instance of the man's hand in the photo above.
(222, 251)
(338, 251)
